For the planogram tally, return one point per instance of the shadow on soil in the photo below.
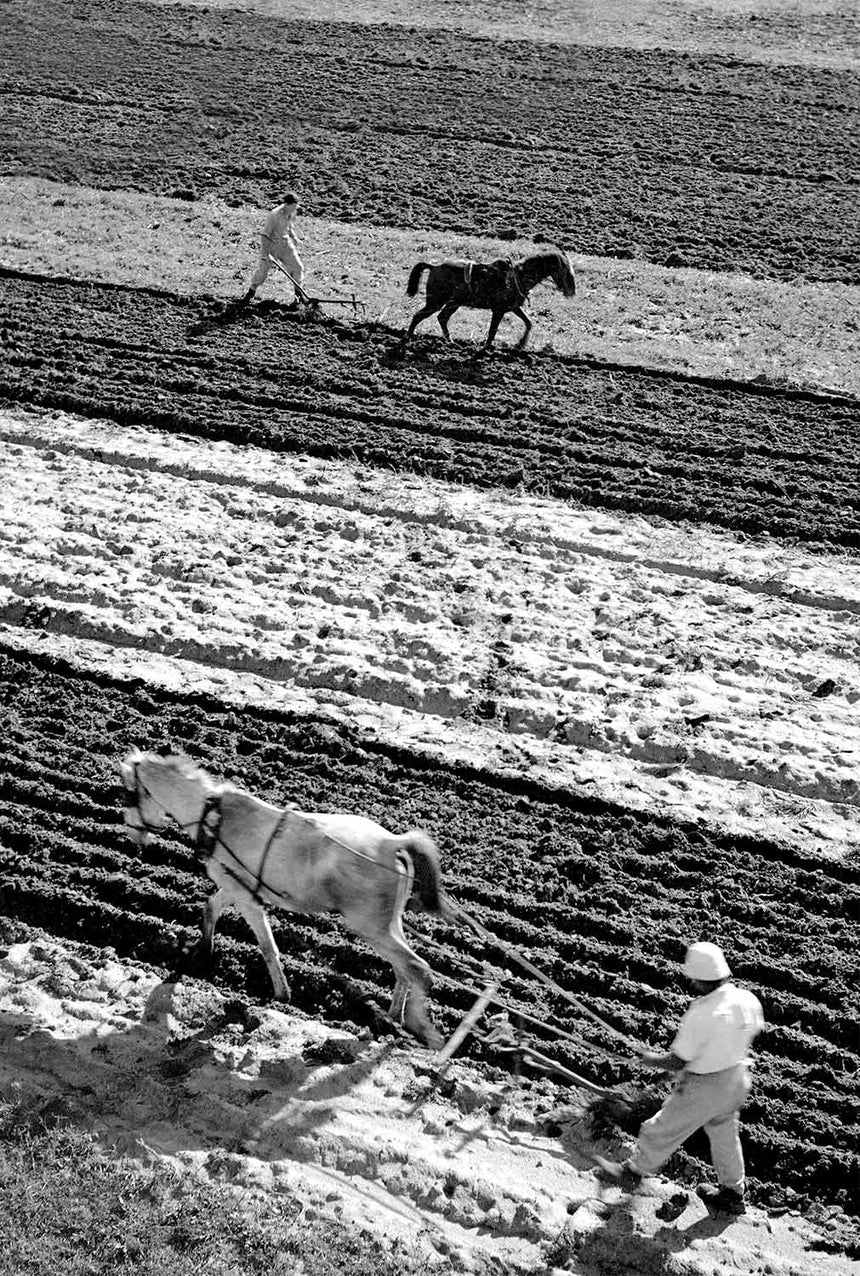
(182, 1085)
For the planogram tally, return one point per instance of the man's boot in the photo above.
(723, 1200)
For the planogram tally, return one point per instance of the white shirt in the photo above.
(717, 1029)
(277, 237)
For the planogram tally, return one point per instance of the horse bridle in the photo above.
(207, 834)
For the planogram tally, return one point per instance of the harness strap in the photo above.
(272, 838)
(209, 835)
(209, 839)
(513, 276)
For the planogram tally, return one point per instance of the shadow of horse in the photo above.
(177, 1086)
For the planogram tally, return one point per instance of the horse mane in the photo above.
(183, 766)
(550, 254)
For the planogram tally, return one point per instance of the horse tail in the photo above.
(415, 277)
(423, 856)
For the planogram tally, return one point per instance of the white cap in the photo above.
(705, 961)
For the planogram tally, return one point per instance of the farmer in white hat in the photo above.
(710, 1051)
(279, 240)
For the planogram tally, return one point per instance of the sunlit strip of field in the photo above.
(802, 32)
(696, 322)
(659, 667)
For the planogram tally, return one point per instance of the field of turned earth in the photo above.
(673, 159)
(746, 457)
(679, 159)
(603, 900)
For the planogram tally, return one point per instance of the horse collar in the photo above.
(208, 831)
(132, 793)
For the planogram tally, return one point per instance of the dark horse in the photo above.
(500, 286)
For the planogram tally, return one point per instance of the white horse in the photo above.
(259, 854)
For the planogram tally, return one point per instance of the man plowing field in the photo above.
(279, 241)
(710, 1051)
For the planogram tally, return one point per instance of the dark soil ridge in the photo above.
(677, 159)
(761, 384)
(340, 735)
(602, 900)
(753, 459)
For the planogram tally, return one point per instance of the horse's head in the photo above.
(562, 274)
(142, 813)
(161, 788)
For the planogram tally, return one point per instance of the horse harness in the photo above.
(208, 837)
(510, 277)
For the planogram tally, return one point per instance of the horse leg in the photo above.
(413, 975)
(258, 921)
(445, 316)
(521, 314)
(498, 316)
(212, 910)
(422, 314)
(411, 972)
(398, 1001)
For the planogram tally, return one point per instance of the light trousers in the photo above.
(287, 256)
(712, 1100)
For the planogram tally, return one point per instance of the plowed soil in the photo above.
(670, 158)
(603, 900)
(679, 159)
(745, 457)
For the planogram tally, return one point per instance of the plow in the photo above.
(311, 305)
(507, 1028)
(316, 303)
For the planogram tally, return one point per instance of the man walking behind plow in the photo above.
(279, 240)
(710, 1051)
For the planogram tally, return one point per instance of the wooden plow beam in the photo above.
(469, 1021)
(515, 955)
(490, 995)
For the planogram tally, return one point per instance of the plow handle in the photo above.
(518, 957)
(299, 289)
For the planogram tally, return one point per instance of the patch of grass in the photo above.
(627, 312)
(68, 1210)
